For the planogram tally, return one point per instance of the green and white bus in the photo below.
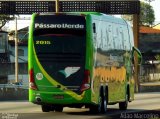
(80, 59)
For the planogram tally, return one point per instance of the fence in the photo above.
(13, 92)
(8, 69)
(149, 72)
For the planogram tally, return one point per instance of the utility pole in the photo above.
(136, 42)
(57, 6)
(16, 52)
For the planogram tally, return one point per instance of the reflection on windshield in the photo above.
(56, 35)
(59, 54)
(45, 31)
(59, 43)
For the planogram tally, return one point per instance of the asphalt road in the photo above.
(145, 105)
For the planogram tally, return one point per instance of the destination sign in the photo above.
(63, 25)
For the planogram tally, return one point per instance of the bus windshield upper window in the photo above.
(59, 24)
(40, 32)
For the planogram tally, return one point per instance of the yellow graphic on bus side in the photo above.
(107, 74)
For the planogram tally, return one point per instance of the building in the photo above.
(149, 42)
(22, 56)
(4, 57)
(3, 47)
(157, 26)
(149, 45)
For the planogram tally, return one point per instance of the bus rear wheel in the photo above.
(58, 108)
(46, 108)
(101, 107)
(96, 108)
(124, 105)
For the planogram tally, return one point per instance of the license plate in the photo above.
(58, 96)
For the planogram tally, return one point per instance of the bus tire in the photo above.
(45, 108)
(94, 109)
(104, 100)
(104, 105)
(99, 108)
(124, 105)
(100, 104)
(58, 108)
(52, 108)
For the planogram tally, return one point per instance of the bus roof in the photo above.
(101, 16)
(70, 13)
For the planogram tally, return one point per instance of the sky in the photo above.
(20, 23)
(156, 6)
(23, 23)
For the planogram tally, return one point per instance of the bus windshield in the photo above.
(59, 44)
(61, 53)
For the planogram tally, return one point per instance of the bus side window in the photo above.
(94, 28)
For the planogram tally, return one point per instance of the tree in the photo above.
(147, 16)
(4, 19)
(157, 57)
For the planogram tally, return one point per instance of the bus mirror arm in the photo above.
(137, 51)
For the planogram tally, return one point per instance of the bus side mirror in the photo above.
(135, 50)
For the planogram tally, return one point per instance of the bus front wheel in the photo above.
(104, 105)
